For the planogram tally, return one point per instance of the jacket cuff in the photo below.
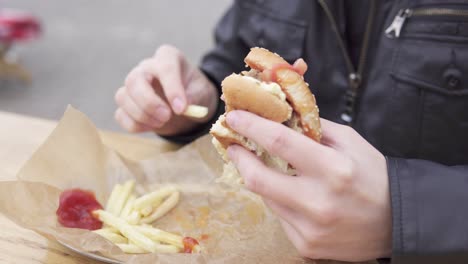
(398, 203)
(429, 211)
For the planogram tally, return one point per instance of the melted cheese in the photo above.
(271, 87)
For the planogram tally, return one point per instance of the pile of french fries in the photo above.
(127, 220)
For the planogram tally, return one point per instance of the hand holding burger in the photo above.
(337, 204)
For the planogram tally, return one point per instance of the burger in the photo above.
(274, 90)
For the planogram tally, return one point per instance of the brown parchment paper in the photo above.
(235, 224)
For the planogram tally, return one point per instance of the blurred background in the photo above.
(87, 47)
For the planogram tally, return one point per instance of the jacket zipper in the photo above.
(354, 76)
(394, 30)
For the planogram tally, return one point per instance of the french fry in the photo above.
(163, 209)
(127, 230)
(127, 210)
(121, 199)
(167, 249)
(159, 235)
(111, 201)
(146, 211)
(131, 248)
(196, 111)
(111, 236)
(154, 198)
(111, 229)
(134, 218)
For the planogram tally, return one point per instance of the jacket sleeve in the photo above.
(225, 58)
(429, 210)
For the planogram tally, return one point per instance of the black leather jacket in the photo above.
(410, 97)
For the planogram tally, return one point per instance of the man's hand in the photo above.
(158, 91)
(338, 205)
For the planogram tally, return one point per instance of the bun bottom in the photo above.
(223, 137)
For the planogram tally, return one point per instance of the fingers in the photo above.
(336, 135)
(143, 98)
(167, 66)
(300, 66)
(300, 151)
(294, 225)
(128, 123)
(331, 129)
(282, 211)
(127, 104)
(262, 180)
(139, 88)
(294, 236)
(298, 240)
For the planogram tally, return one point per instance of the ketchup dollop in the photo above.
(76, 209)
(189, 244)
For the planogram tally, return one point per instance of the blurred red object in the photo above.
(15, 26)
(18, 26)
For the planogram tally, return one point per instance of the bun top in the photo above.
(262, 59)
(249, 94)
(293, 85)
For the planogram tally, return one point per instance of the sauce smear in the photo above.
(189, 244)
(281, 66)
(76, 209)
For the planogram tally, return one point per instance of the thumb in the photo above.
(262, 180)
(335, 135)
